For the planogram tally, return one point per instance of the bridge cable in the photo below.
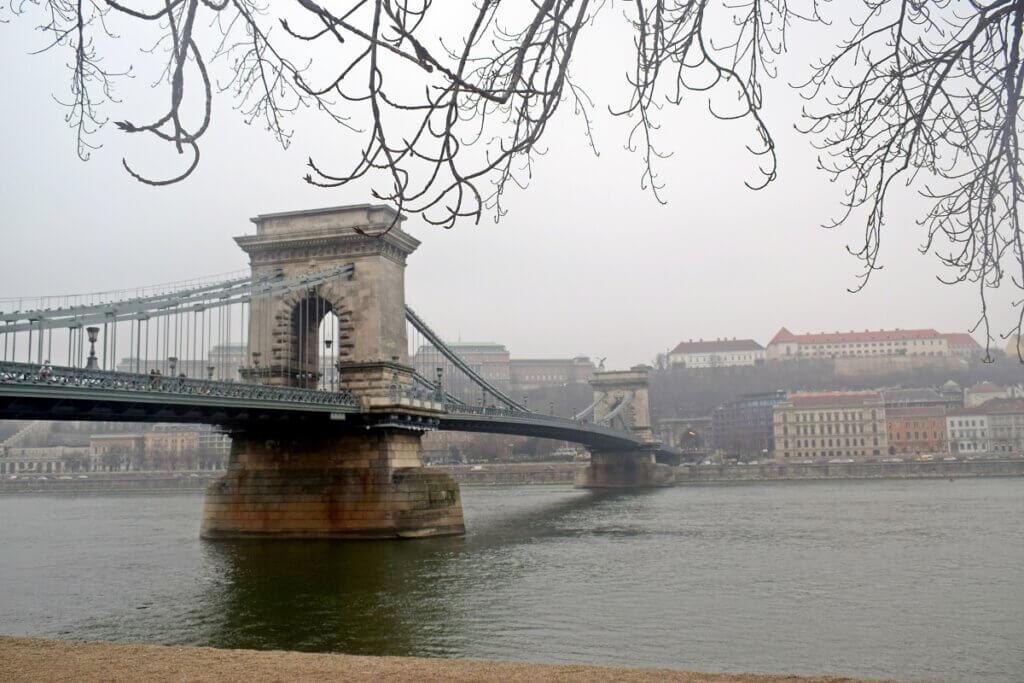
(431, 336)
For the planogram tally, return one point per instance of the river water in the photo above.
(909, 579)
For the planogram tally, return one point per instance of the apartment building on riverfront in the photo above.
(831, 425)
(861, 425)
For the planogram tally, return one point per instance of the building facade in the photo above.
(967, 432)
(688, 434)
(963, 345)
(743, 428)
(1006, 425)
(227, 361)
(720, 353)
(916, 430)
(982, 393)
(487, 359)
(823, 426)
(526, 374)
(43, 460)
(919, 398)
(788, 346)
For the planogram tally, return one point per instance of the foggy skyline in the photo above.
(585, 262)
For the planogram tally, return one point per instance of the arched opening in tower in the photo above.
(319, 341)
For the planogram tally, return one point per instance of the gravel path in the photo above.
(34, 659)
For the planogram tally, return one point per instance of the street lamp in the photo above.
(256, 365)
(92, 363)
(327, 349)
(172, 362)
(209, 371)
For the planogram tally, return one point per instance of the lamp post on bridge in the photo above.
(92, 363)
(256, 365)
(172, 363)
(328, 343)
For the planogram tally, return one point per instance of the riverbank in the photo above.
(565, 473)
(36, 659)
(110, 482)
(516, 474)
(771, 471)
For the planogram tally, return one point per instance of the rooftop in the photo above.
(784, 335)
(1002, 406)
(961, 339)
(897, 396)
(832, 398)
(709, 346)
(916, 411)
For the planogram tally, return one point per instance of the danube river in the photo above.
(908, 579)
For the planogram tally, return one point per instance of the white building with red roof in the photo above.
(963, 345)
(718, 353)
(983, 392)
(867, 344)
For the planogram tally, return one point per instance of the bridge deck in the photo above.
(55, 393)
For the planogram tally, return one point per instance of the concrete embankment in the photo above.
(109, 482)
(513, 474)
(706, 474)
(34, 659)
(565, 473)
(506, 474)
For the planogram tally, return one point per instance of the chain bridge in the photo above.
(324, 377)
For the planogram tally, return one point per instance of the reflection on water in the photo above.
(906, 579)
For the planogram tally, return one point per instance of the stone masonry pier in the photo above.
(347, 481)
(331, 486)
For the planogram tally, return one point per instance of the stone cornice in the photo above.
(388, 212)
(394, 245)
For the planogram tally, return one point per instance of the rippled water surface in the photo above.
(912, 579)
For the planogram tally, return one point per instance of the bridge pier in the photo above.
(326, 485)
(624, 469)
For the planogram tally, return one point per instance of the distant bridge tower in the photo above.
(342, 480)
(621, 400)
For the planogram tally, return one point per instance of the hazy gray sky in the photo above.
(584, 263)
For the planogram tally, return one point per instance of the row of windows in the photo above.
(827, 429)
(864, 352)
(831, 454)
(895, 436)
(914, 424)
(813, 443)
(838, 416)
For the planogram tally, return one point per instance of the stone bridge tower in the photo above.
(621, 400)
(369, 305)
(611, 388)
(337, 480)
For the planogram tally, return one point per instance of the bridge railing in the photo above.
(527, 416)
(101, 380)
